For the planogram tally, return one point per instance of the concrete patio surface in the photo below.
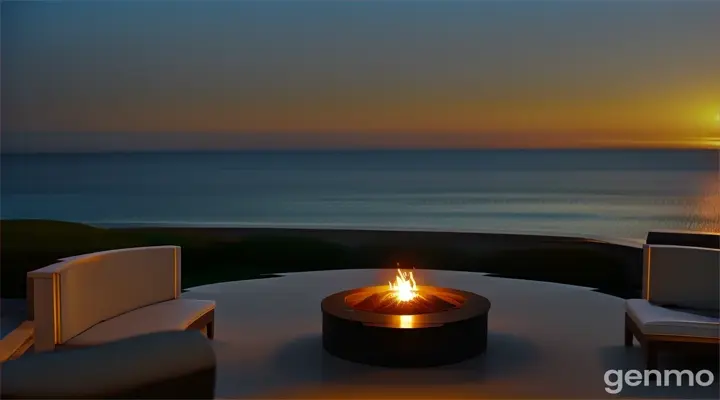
(12, 313)
(546, 340)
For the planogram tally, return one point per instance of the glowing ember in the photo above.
(404, 288)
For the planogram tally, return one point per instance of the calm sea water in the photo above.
(618, 193)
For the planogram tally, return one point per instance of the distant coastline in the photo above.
(240, 229)
(223, 254)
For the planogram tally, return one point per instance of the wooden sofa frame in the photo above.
(206, 324)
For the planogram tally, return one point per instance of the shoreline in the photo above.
(476, 243)
(213, 254)
(313, 230)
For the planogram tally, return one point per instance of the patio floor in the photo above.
(545, 341)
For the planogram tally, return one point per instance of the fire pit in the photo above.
(405, 325)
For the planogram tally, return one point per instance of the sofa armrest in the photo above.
(179, 364)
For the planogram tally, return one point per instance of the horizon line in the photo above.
(356, 150)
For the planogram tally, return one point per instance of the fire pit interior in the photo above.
(403, 297)
(404, 324)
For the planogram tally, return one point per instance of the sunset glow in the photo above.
(315, 75)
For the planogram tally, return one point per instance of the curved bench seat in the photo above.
(173, 315)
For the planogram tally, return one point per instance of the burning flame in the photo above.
(404, 288)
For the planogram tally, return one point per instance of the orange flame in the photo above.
(404, 288)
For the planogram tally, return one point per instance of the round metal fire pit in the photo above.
(445, 326)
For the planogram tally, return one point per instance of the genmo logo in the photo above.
(617, 379)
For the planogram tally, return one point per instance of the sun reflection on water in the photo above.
(705, 209)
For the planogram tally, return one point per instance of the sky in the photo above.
(147, 75)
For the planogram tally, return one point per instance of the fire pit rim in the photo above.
(473, 305)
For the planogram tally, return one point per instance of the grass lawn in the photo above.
(30, 244)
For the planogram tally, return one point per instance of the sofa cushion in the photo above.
(656, 320)
(170, 315)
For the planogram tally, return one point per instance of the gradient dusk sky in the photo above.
(117, 75)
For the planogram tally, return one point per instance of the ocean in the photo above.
(598, 193)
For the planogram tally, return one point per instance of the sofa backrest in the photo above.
(78, 292)
(682, 276)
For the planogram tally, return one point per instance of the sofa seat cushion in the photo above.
(656, 320)
(173, 315)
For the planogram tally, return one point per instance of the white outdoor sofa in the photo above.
(107, 296)
(679, 308)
